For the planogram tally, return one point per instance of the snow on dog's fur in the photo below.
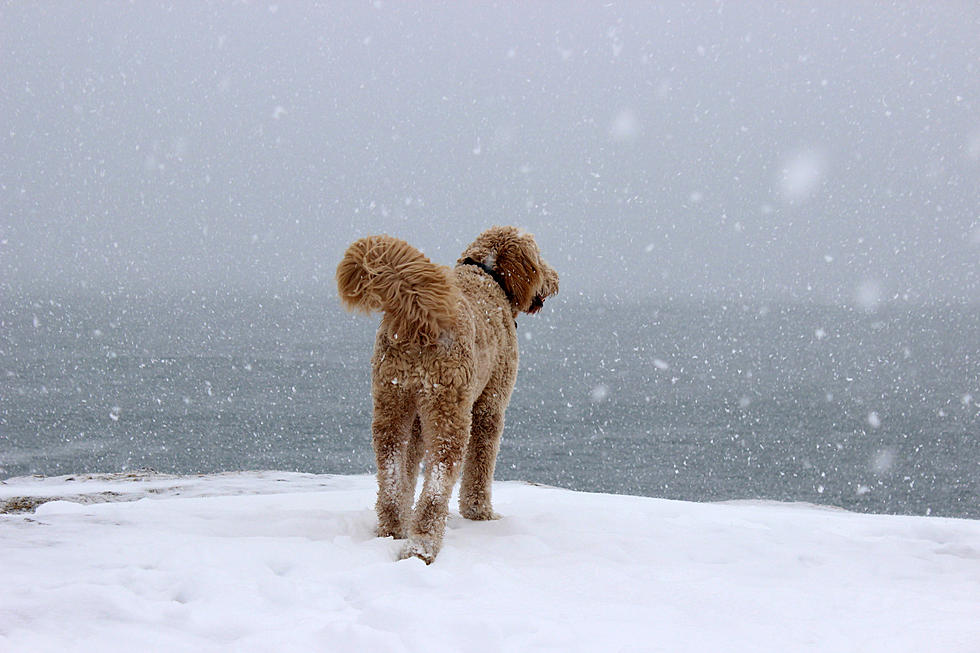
(444, 366)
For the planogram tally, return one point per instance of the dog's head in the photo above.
(515, 257)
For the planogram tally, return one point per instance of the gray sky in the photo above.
(828, 152)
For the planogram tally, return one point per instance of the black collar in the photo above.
(493, 273)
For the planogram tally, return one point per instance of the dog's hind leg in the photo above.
(414, 455)
(445, 426)
(391, 428)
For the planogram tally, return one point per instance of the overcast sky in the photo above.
(828, 152)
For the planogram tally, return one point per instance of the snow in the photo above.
(599, 393)
(625, 126)
(868, 295)
(280, 561)
(802, 174)
(874, 421)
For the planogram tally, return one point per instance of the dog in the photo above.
(444, 366)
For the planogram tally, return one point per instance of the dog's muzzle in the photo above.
(536, 304)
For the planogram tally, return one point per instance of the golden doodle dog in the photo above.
(444, 366)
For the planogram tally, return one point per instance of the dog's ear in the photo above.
(514, 256)
(518, 263)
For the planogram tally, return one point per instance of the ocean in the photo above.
(695, 400)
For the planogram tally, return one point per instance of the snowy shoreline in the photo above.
(259, 561)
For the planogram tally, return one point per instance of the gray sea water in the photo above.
(869, 411)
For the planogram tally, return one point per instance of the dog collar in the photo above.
(493, 273)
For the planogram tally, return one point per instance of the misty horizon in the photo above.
(825, 154)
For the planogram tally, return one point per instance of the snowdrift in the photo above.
(275, 561)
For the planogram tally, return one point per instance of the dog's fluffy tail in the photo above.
(381, 273)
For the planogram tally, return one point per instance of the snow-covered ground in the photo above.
(288, 562)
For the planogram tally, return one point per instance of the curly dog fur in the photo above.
(444, 366)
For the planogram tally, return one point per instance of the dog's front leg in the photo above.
(481, 458)
(444, 435)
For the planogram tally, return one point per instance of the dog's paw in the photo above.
(478, 513)
(391, 531)
(423, 548)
